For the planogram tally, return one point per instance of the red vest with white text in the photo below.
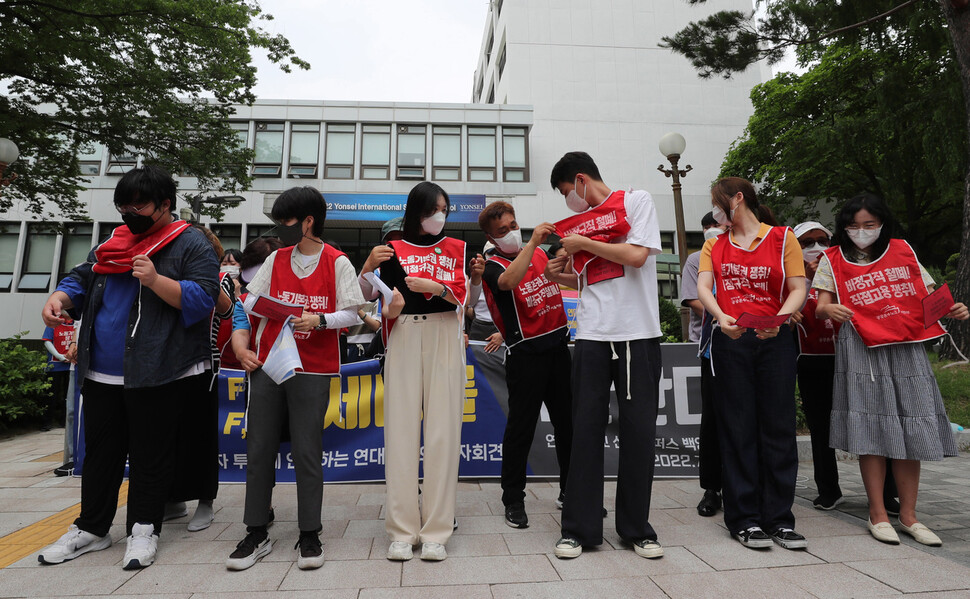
(319, 350)
(751, 281)
(63, 335)
(816, 337)
(885, 295)
(538, 302)
(605, 223)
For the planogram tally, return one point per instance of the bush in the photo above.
(23, 381)
(670, 322)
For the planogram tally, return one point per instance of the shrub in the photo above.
(670, 322)
(23, 381)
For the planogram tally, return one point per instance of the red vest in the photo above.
(63, 335)
(816, 337)
(751, 281)
(605, 223)
(319, 350)
(538, 302)
(443, 262)
(885, 296)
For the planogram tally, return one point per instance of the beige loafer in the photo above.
(921, 534)
(884, 532)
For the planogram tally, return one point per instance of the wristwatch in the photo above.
(323, 322)
(444, 292)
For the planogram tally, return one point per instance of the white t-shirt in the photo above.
(626, 308)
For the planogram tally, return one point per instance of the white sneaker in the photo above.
(142, 545)
(433, 552)
(73, 543)
(399, 551)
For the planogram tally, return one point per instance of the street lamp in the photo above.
(196, 213)
(8, 155)
(672, 145)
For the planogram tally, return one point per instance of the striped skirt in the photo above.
(885, 401)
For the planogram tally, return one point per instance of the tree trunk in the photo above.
(958, 20)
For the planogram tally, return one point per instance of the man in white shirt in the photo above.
(611, 244)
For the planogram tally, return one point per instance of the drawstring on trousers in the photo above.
(616, 357)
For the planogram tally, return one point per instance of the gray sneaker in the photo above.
(568, 548)
(648, 548)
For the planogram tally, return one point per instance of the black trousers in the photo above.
(709, 451)
(137, 424)
(815, 374)
(755, 396)
(197, 447)
(594, 370)
(534, 379)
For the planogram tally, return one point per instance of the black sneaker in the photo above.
(789, 539)
(311, 551)
(709, 504)
(560, 499)
(66, 469)
(827, 503)
(892, 505)
(754, 538)
(249, 551)
(515, 516)
(272, 516)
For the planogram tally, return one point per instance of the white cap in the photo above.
(802, 228)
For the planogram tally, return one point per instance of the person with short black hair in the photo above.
(528, 310)
(612, 244)
(145, 294)
(309, 272)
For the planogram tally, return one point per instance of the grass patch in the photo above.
(954, 385)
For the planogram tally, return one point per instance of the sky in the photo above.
(375, 50)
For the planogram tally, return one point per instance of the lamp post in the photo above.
(672, 145)
(197, 201)
(8, 155)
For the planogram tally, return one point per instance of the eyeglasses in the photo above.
(807, 243)
(137, 208)
(866, 226)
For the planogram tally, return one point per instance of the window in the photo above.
(38, 259)
(242, 133)
(375, 152)
(304, 149)
(515, 154)
(9, 236)
(340, 151)
(501, 61)
(76, 245)
(254, 231)
(667, 242)
(411, 143)
(269, 149)
(446, 153)
(481, 153)
(230, 236)
(695, 241)
(119, 164)
(89, 159)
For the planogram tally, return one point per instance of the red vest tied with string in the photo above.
(63, 335)
(885, 295)
(114, 256)
(319, 349)
(751, 281)
(223, 341)
(816, 337)
(605, 223)
(538, 302)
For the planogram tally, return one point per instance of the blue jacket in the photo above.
(166, 341)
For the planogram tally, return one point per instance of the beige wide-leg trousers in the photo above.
(424, 374)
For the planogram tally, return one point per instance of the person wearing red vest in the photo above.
(308, 272)
(528, 310)
(757, 269)
(612, 243)
(424, 377)
(886, 403)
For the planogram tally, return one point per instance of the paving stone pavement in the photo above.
(487, 559)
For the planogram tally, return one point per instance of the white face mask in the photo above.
(434, 223)
(718, 214)
(576, 203)
(712, 232)
(511, 243)
(812, 252)
(863, 238)
(232, 270)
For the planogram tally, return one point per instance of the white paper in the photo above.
(284, 357)
(376, 282)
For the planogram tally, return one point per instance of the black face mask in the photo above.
(290, 235)
(138, 223)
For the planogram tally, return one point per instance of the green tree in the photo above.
(156, 77)
(730, 41)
